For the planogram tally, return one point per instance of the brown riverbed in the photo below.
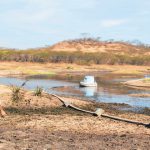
(43, 123)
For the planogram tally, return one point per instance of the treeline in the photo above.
(73, 57)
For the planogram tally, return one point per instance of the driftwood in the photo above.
(2, 112)
(100, 112)
(126, 120)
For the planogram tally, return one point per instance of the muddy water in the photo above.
(109, 90)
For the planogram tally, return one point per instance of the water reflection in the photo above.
(109, 93)
(33, 83)
(89, 91)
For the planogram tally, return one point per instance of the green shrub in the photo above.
(17, 94)
(38, 91)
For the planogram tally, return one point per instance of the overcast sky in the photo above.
(36, 23)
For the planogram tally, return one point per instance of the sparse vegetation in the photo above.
(146, 80)
(70, 67)
(114, 53)
(126, 71)
(17, 93)
(38, 91)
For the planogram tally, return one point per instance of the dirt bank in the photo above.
(43, 123)
(141, 83)
(140, 95)
(19, 69)
(70, 132)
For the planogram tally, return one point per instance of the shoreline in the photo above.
(46, 122)
(8, 68)
(116, 108)
(138, 83)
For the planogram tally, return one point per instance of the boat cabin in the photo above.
(88, 81)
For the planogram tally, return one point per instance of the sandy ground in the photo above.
(70, 132)
(140, 95)
(26, 68)
(42, 123)
(139, 84)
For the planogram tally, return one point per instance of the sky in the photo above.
(38, 23)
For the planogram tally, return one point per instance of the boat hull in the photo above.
(83, 84)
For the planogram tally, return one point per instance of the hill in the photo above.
(83, 52)
(92, 46)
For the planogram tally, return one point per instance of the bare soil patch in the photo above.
(45, 124)
(141, 83)
(26, 68)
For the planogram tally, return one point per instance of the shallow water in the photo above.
(110, 91)
(33, 83)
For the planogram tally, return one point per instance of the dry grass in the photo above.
(128, 71)
(44, 123)
(138, 83)
(20, 68)
(147, 80)
(70, 132)
(92, 46)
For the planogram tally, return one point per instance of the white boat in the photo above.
(88, 81)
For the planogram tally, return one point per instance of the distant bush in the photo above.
(77, 57)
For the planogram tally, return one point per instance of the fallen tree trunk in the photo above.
(2, 112)
(100, 112)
